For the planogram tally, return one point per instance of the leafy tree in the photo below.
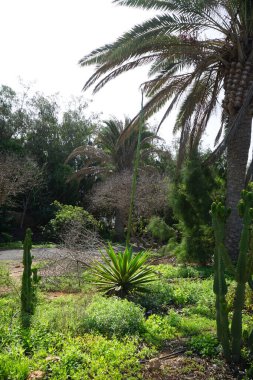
(196, 49)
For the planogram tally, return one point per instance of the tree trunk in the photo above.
(237, 158)
(120, 225)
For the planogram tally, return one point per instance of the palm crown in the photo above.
(182, 63)
(114, 153)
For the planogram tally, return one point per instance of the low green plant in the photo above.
(4, 276)
(113, 316)
(157, 298)
(183, 271)
(204, 345)
(13, 367)
(161, 328)
(188, 292)
(123, 272)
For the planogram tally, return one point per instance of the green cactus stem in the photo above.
(27, 292)
(219, 215)
(242, 274)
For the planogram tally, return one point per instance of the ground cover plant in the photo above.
(87, 335)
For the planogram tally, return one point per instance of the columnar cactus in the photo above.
(231, 342)
(27, 291)
(243, 271)
(219, 216)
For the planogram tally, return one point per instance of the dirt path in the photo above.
(16, 254)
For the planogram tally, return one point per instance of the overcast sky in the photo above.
(43, 40)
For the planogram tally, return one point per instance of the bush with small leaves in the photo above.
(113, 316)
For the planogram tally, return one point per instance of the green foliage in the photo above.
(157, 298)
(160, 229)
(14, 367)
(113, 316)
(191, 201)
(179, 271)
(123, 272)
(161, 328)
(185, 292)
(204, 345)
(65, 215)
(4, 275)
(57, 330)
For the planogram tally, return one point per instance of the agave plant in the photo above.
(122, 272)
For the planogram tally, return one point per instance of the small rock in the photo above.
(53, 359)
(39, 375)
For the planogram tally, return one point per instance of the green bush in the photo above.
(157, 298)
(160, 229)
(160, 328)
(204, 345)
(113, 316)
(198, 292)
(171, 271)
(190, 199)
(65, 215)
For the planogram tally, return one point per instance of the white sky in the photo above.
(43, 40)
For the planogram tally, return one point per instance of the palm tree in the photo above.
(114, 153)
(199, 51)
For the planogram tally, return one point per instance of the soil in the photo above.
(173, 363)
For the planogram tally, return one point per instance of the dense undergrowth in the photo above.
(87, 336)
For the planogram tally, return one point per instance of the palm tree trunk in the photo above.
(237, 158)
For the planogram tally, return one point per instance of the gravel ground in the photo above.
(16, 254)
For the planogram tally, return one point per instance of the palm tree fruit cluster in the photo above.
(231, 339)
(237, 80)
(29, 279)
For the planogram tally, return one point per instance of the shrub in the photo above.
(113, 316)
(172, 271)
(64, 216)
(160, 328)
(159, 229)
(191, 205)
(121, 273)
(157, 298)
(204, 345)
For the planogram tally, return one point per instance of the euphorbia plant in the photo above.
(231, 339)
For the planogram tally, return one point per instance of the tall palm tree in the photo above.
(199, 51)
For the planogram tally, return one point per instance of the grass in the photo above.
(107, 338)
